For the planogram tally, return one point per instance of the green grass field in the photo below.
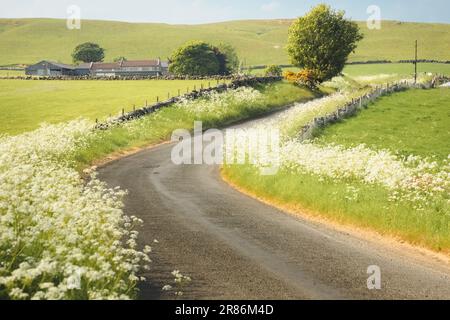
(411, 122)
(30, 40)
(11, 73)
(25, 104)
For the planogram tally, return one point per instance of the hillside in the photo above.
(258, 41)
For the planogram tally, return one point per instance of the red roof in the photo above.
(101, 65)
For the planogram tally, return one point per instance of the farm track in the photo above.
(235, 247)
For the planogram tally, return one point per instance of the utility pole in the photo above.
(415, 66)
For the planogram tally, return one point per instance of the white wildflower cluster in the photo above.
(180, 283)
(218, 102)
(412, 178)
(61, 238)
(301, 113)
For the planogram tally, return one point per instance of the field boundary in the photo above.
(146, 110)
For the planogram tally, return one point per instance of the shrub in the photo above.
(195, 59)
(273, 71)
(305, 77)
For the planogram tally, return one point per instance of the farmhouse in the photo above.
(100, 69)
(131, 68)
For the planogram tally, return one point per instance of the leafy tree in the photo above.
(273, 71)
(88, 52)
(195, 58)
(321, 42)
(118, 59)
(231, 64)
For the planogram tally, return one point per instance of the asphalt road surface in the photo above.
(235, 247)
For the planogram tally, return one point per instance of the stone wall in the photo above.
(146, 110)
(351, 108)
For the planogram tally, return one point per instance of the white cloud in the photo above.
(271, 6)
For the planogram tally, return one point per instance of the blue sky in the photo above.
(202, 11)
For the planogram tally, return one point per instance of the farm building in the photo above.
(100, 69)
(50, 69)
(130, 68)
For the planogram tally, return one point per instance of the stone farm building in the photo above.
(100, 69)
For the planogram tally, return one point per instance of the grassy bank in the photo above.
(348, 202)
(396, 192)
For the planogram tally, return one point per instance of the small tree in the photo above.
(195, 59)
(88, 52)
(321, 42)
(273, 71)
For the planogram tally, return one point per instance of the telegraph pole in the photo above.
(415, 66)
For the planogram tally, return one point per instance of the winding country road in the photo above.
(235, 247)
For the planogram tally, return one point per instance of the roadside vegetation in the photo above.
(61, 238)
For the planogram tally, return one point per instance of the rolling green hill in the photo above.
(257, 41)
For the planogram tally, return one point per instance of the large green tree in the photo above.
(88, 52)
(195, 58)
(321, 42)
